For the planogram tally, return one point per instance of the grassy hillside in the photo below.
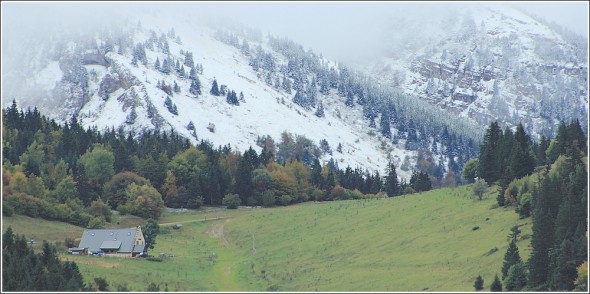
(408, 243)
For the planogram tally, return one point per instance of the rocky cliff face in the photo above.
(486, 64)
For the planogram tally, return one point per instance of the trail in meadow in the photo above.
(223, 275)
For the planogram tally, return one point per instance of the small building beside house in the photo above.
(77, 251)
(127, 242)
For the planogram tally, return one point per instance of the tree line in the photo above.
(68, 173)
(547, 181)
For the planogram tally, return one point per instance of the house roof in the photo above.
(139, 248)
(110, 245)
(96, 239)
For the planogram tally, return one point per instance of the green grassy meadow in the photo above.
(420, 242)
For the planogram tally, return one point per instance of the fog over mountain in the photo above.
(456, 65)
(346, 31)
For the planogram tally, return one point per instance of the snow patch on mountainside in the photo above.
(265, 111)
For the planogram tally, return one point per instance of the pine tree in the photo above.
(232, 98)
(301, 99)
(315, 176)
(576, 136)
(385, 124)
(496, 285)
(392, 186)
(330, 181)
(500, 197)
(312, 93)
(131, 117)
(349, 99)
(557, 146)
(506, 147)
(190, 126)
(521, 159)
(214, 89)
(320, 110)
(193, 74)
(286, 85)
(188, 59)
(511, 257)
(563, 270)
(243, 184)
(176, 88)
(170, 106)
(516, 279)
(478, 285)
(195, 87)
(157, 64)
(165, 66)
(541, 242)
(182, 72)
(489, 159)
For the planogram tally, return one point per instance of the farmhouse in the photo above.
(114, 242)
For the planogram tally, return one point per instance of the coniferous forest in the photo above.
(68, 173)
(556, 201)
(24, 270)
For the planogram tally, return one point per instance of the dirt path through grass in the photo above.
(223, 275)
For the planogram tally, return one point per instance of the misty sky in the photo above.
(325, 27)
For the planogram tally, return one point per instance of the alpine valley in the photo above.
(171, 146)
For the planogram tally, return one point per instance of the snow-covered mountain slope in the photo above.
(489, 62)
(95, 80)
(473, 64)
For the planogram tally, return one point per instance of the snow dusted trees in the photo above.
(320, 110)
(306, 75)
(139, 54)
(214, 89)
(385, 124)
(232, 98)
(349, 99)
(165, 66)
(170, 106)
(301, 99)
(195, 88)
(157, 64)
(188, 59)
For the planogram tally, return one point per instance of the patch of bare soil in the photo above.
(217, 230)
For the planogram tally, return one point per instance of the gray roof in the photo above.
(93, 238)
(110, 245)
(139, 248)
